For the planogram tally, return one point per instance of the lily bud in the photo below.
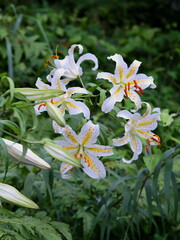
(16, 151)
(12, 195)
(34, 94)
(60, 153)
(55, 114)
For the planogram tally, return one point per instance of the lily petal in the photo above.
(93, 167)
(135, 144)
(145, 134)
(135, 98)
(64, 169)
(71, 49)
(117, 94)
(39, 84)
(121, 141)
(73, 90)
(144, 81)
(134, 157)
(88, 56)
(108, 104)
(67, 146)
(70, 135)
(89, 133)
(109, 76)
(76, 107)
(132, 70)
(56, 127)
(125, 114)
(121, 67)
(99, 150)
(148, 123)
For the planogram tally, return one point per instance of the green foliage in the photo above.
(39, 227)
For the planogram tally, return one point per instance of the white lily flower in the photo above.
(64, 102)
(126, 83)
(73, 69)
(83, 147)
(16, 151)
(12, 195)
(139, 127)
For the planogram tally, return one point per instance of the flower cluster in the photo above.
(82, 147)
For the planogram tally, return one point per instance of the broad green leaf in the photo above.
(167, 118)
(152, 160)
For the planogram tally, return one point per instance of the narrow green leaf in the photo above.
(176, 194)
(149, 200)
(142, 175)
(44, 34)
(10, 57)
(167, 180)
(13, 126)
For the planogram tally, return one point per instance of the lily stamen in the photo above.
(129, 86)
(141, 90)
(46, 65)
(138, 92)
(42, 104)
(135, 84)
(125, 90)
(157, 139)
(147, 149)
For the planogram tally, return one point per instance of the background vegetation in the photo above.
(135, 201)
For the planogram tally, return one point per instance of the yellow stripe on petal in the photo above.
(134, 142)
(135, 99)
(72, 105)
(112, 79)
(121, 141)
(91, 164)
(69, 135)
(147, 123)
(99, 150)
(88, 136)
(148, 112)
(120, 72)
(130, 73)
(63, 168)
(132, 70)
(71, 92)
(145, 133)
(70, 148)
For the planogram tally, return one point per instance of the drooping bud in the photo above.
(60, 153)
(16, 151)
(55, 114)
(34, 94)
(12, 195)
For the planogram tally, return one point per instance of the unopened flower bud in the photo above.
(16, 151)
(55, 114)
(12, 195)
(60, 153)
(34, 94)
